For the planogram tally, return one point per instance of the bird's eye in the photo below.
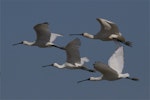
(53, 64)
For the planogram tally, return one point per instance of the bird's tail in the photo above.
(134, 79)
(128, 43)
(122, 40)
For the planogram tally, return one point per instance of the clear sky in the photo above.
(23, 78)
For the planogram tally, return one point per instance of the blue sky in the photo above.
(23, 78)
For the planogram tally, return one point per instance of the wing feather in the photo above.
(104, 69)
(116, 61)
(42, 32)
(107, 27)
(72, 51)
(114, 28)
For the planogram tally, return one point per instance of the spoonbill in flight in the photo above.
(44, 37)
(109, 31)
(112, 71)
(73, 57)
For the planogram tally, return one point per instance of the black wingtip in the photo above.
(83, 80)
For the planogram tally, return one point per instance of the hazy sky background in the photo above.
(23, 78)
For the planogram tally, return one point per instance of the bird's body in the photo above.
(74, 61)
(109, 32)
(44, 38)
(112, 71)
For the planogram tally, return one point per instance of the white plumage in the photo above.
(116, 61)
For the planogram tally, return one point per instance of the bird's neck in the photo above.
(28, 43)
(96, 78)
(58, 65)
(87, 35)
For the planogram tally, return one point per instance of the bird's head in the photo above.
(90, 79)
(85, 34)
(22, 42)
(25, 43)
(82, 34)
(53, 64)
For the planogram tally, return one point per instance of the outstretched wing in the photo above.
(108, 27)
(72, 51)
(114, 28)
(104, 24)
(116, 61)
(42, 32)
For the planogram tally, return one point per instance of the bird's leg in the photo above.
(128, 43)
(134, 79)
(117, 43)
(58, 47)
(86, 69)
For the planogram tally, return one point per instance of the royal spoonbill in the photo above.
(73, 60)
(109, 31)
(112, 71)
(44, 37)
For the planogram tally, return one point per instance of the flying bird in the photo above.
(44, 37)
(73, 61)
(112, 71)
(108, 32)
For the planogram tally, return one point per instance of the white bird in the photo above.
(73, 60)
(109, 31)
(44, 37)
(112, 71)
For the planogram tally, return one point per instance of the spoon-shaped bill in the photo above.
(83, 80)
(47, 65)
(17, 43)
(75, 34)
